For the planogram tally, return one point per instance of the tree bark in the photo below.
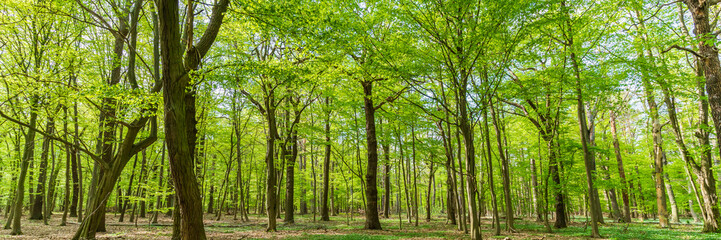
(180, 106)
(622, 174)
(450, 181)
(36, 212)
(712, 72)
(28, 152)
(326, 166)
(504, 171)
(372, 221)
(588, 156)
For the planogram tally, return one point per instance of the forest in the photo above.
(360, 119)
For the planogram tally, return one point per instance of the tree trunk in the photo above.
(372, 221)
(52, 184)
(180, 106)
(290, 182)
(504, 171)
(326, 167)
(428, 192)
(36, 212)
(671, 200)
(415, 173)
(588, 156)
(450, 181)
(712, 72)
(611, 197)
(622, 174)
(491, 185)
(28, 152)
(387, 182)
(658, 151)
(68, 152)
(534, 183)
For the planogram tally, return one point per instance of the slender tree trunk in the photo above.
(428, 192)
(622, 174)
(36, 212)
(656, 125)
(671, 200)
(489, 166)
(326, 167)
(536, 201)
(68, 152)
(450, 183)
(415, 173)
(52, 184)
(387, 182)
(504, 172)
(290, 182)
(28, 153)
(161, 187)
(588, 156)
(611, 197)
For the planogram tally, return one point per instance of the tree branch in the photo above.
(252, 100)
(96, 158)
(684, 49)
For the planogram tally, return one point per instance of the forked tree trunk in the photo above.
(180, 105)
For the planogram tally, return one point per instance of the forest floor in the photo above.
(342, 227)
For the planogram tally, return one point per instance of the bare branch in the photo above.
(684, 49)
(92, 155)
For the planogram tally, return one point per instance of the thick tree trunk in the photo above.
(107, 178)
(180, 106)
(553, 171)
(712, 72)
(372, 221)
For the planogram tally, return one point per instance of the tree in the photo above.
(178, 62)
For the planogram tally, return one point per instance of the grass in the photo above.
(341, 227)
